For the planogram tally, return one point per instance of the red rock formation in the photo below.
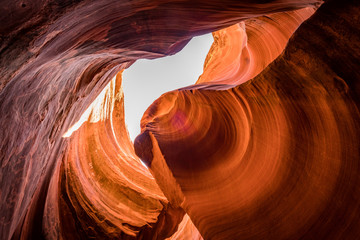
(276, 157)
(262, 162)
(248, 47)
(105, 186)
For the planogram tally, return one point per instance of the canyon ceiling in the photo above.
(265, 145)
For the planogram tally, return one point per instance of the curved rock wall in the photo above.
(276, 157)
(262, 156)
(105, 192)
(248, 47)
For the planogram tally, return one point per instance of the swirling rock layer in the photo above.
(105, 191)
(248, 47)
(275, 157)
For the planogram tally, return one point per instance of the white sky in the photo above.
(146, 80)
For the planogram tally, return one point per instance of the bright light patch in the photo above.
(147, 80)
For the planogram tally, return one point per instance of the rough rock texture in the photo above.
(276, 157)
(288, 140)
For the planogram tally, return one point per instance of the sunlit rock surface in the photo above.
(276, 157)
(249, 46)
(102, 179)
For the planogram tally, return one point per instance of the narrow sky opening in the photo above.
(147, 80)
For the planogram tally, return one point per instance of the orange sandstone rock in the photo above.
(276, 157)
(243, 50)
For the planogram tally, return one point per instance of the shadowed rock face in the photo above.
(275, 157)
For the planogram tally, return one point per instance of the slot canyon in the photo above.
(265, 144)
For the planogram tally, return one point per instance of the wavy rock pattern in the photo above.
(104, 184)
(248, 47)
(276, 157)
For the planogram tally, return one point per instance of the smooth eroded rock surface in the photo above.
(275, 157)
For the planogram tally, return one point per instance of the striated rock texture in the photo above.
(105, 186)
(248, 47)
(275, 157)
